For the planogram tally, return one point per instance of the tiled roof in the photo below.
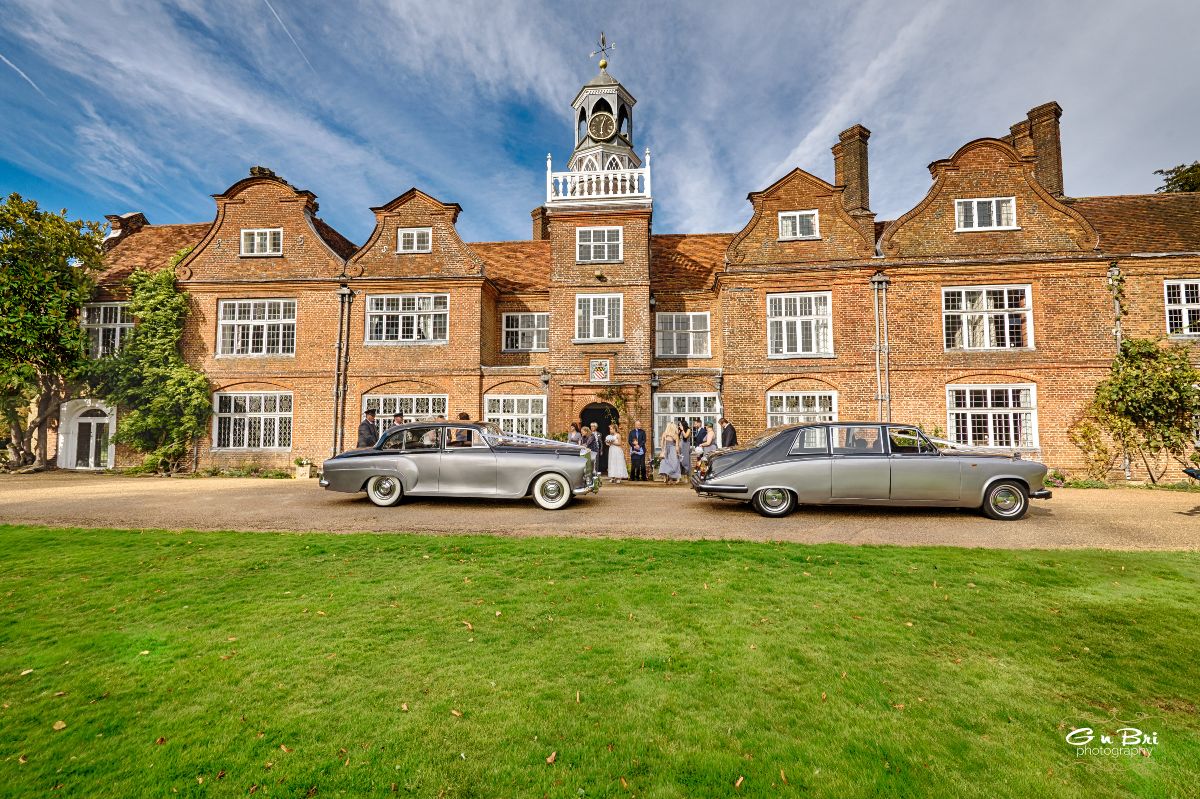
(687, 262)
(515, 265)
(336, 241)
(1168, 222)
(151, 248)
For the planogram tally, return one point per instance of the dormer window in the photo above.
(798, 225)
(598, 245)
(414, 239)
(991, 213)
(262, 241)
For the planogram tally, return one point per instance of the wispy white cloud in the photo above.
(168, 103)
(27, 79)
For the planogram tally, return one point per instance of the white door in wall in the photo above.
(91, 440)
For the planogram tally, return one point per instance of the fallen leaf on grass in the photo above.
(456, 713)
(254, 788)
(404, 707)
(160, 741)
(144, 652)
(60, 725)
(624, 784)
(908, 624)
(221, 774)
(22, 760)
(739, 782)
(199, 780)
(233, 638)
(268, 765)
(497, 613)
(552, 758)
(283, 748)
(782, 778)
(899, 706)
(822, 696)
(60, 693)
(470, 627)
(577, 697)
(27, 671)
(320, 613)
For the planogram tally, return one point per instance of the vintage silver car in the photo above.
(868, 463)
(462, 459)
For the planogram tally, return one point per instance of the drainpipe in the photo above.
(883, 379)
(1114, 275)
(341, 292)
(345, 369)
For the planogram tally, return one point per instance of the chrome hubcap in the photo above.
(385, 488)
(1006, 500)
(774, 498)
(552, 490)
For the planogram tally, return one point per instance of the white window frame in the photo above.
(992, 412)
(540, 330)
(248, 397)
(958, 228)
(400, 313)
(1188, 312)
(592, 245)
(800, 320)
(986, 314)
(592, 318)
(416, 233)
(506, 411)
(272, 244)
(118, 329)
(415, 407)
(235, 331)
(691, 334)
(816, 222)
(661, 417)
(806, 410)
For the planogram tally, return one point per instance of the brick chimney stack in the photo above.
(1038, 135)
(123, 225)
(850, 167)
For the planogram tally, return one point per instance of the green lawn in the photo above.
(210, 663)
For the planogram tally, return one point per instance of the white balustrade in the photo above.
(605, 184)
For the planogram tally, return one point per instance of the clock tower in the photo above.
(603, 126)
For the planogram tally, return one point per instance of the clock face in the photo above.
(601, 126)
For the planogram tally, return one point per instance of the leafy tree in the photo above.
(1146, 409)
(1180, 178)
(163, 402)
(47, 268)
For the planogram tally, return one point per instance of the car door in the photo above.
(920, 473)
(422, 448)
(859, 465)
(468, 465)
(808, 465)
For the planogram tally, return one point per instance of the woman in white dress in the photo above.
(617, 471)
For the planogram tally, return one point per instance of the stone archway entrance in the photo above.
(603, 414)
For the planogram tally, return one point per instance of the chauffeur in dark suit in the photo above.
(728, 435)
(368, 431)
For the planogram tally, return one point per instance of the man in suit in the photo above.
(397, 420)
(728, 434)
(368, 431)
(637, 441)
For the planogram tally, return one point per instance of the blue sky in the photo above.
(114, 106)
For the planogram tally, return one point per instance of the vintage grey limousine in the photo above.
(868, 463)
(462, 459)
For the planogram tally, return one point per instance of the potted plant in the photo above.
(303, 468)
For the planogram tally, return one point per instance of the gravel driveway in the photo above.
(1110, 519)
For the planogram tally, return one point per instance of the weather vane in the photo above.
(605, 46)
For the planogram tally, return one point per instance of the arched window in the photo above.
(623, 121)
(614, 163)
(582, 126)
(601, 105)
(589, 165)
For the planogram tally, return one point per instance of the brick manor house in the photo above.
(984, 313)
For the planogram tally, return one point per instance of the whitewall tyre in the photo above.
(385, 490)
(551, 492)
(1006, 501)
(774, 502)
